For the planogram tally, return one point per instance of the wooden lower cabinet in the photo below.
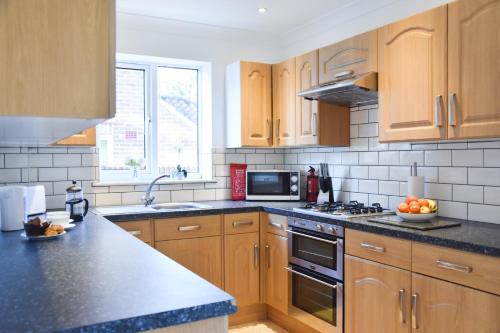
(203, 256)
(443, 307)
(276, 277)
(241, 267)
(372, 297)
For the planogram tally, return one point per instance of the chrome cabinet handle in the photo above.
(402, 316)
(371, 247)
(414, 299)
(454, 267)
(135, 232)
(311, 237)
(276, 225)
(189, 227)
(451, 110)
(311, 278)
(236, 224)
(268, 256)
(344, 73)
(269, 130)
(314, 124)
(256, 255)
(438, 110)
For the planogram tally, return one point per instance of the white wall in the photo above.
(171, 39)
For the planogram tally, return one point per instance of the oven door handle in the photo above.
(311, 237)
(311, 278)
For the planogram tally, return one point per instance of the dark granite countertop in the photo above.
(97, 278)
(471, 236)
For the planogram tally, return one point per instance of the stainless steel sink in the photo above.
(179, 206)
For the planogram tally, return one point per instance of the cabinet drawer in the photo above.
(276, 224)
(383, 249)
(241, 223)
(470, 269)
(187, 227)
(140, 229)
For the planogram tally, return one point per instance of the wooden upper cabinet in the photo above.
(284, 102)
(248, 105)
(276, 259)
(57, 58)
(446, 307)
(241, 262)
(84, 138)
(474, 68)
(412, 77)
(306, 111)
(377, 297)
(356, 55)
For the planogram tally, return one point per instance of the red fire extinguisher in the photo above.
(238, 181)
(312, 186)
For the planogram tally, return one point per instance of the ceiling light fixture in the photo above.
(262, 9)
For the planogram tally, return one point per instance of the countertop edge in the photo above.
(159, 320)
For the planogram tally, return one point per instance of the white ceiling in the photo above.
(282, 15)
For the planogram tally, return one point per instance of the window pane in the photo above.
(121, 139)
(177, 119)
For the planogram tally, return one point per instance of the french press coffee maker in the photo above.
(76, 205)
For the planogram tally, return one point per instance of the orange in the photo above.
(423, 202)
(411, 198)
(404, 208)
(415, 209)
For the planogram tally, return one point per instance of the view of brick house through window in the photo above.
(156, 124)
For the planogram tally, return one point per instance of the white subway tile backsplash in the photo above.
(274, 159)
(410, 157)
(359, 117)
(52, 174)
(375, 145)
(235, 158)
(359, 144)
(341, 171)
(359, 197)
(378, 172)
(90, 160)
(354, 131)
(453, 175)
(484, 213)
(388, 187)
(487, 144)
(467, 158)
(222, 194)
(400, 146)
(373, 115)
(317, 158)
(255, 158)
(383, 200)
(399, 173)
(218, 158)
(423, 146)
(492, 195)
(452, 145)
(438, 191)
(438, 157)
(368, 186)
(204, 195)
(358, 171)
(349, 158)
(333, 158)
(368, 158)
(83, 173)
(29, 175)
(388, 158)
(492, 158)
(368, 130)
(55, 201)
(350, 185)
(9, 150)
(222, 170)
(16, 160)
(484, 176)
(67, 160)
(132, 198)
(452, 209)
(182, 196)
(108, 199)
(394, 202)
(468, 193)
(430, 174)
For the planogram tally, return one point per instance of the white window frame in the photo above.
(150, 65)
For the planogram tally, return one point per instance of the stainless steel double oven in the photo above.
(316, 261)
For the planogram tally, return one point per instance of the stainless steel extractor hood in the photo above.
(347, 90)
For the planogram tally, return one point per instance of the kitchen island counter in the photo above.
(97, 278)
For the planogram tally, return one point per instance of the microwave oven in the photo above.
(272, 185)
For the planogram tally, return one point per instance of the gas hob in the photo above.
(344, 210)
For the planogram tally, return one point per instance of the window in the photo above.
(163, 119)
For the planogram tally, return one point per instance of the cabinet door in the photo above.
(284, 102)
(356, 55)
(256, 107)
(306, 121)
(443, 307)
(84, 138)
(57, 58)
(377, 297)
(474, 69)
(203, 256)
(276, 259)
(241, 255)
(412, 78)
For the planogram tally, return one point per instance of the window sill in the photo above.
(145, 182)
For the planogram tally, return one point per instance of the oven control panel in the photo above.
(321, 227)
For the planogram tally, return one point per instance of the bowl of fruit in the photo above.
(415, 209)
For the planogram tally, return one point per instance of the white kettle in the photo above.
(19, 202)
